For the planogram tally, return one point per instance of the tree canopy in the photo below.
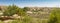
(55, 16)
(13, 9)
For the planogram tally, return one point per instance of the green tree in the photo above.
(55, 16)
(13, 10)
(25, 8)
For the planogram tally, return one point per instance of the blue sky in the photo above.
(32, 3)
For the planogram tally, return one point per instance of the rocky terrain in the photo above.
(37, 13)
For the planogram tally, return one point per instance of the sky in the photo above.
(32, 3)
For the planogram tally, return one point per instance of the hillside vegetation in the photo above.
(15, 14)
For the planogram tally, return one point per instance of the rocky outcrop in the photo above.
(15, 16)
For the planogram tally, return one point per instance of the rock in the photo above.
(6, 21)
(16, 16)
(2, 16)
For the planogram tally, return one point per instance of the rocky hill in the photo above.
(39, 12)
